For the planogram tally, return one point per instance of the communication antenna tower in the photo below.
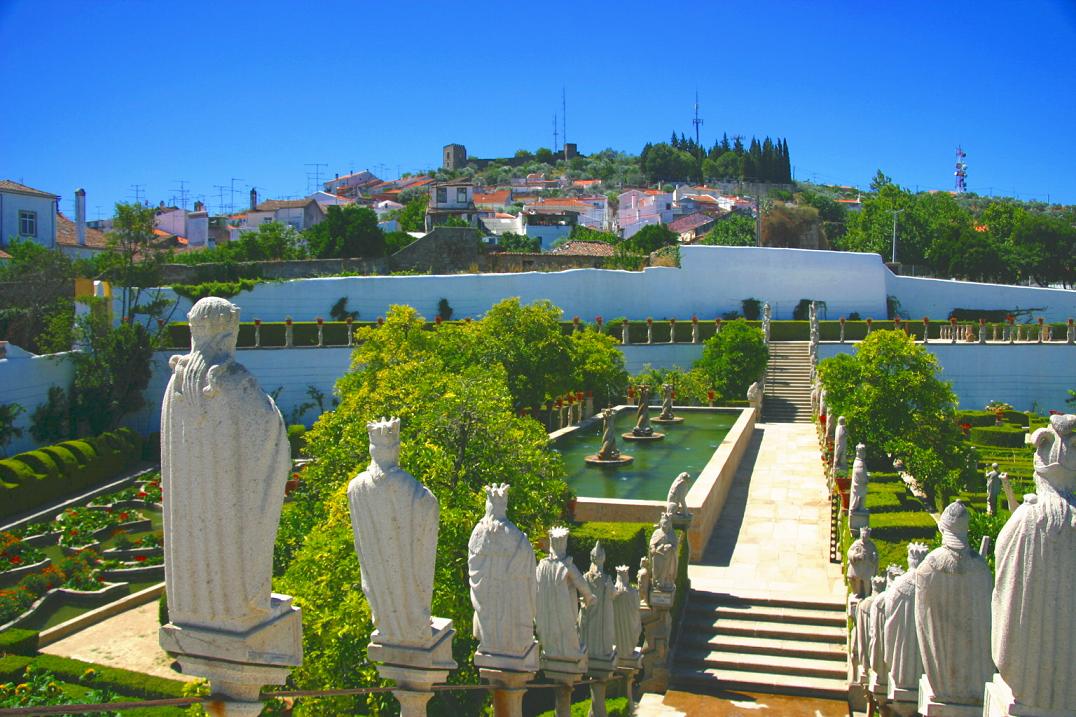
(555, 134)
(564, 120)
(136, 189)
(315, 174)
(182, 193)
(697, 121)
(961, 172)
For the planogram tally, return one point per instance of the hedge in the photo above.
(31, 479)
(13, 666)
(1003, 436)
(125, 682)
(976, 418)
(624, 544)
(16, 641)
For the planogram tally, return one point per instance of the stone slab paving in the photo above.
(128, 641)
(683, 704)
(772, 538)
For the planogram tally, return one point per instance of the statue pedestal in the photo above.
(655, 436)
(508, 690)
(901, 701)
(628, 666)
(998, 701)
(239, 664)
(600, 668)
(877, 686)
(680, 521)
(657, 629)
(670, 419)
(527, 662)
(858, 519)
(929, 708)
(596, 460)
(565, 671)
(415, 668)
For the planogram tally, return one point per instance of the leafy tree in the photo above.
(9, 412)
(459, 432)
(726, 166)
(651, 238)
(581, 232)
(134, 260)
(597, 366)
(111, 373)
(734, 230)
(36, 288)
(734, 358)
(785, 225)
(691, 386)
(519, 243)
(51, 420)
(451, 222)
(395, 241)
(889, 393)
(349, 231)
(880, 180)
(666, 163)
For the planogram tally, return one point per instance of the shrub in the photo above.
(15, 472)
(81, 450)
(297, 439)
(65, 460)
(1003, 436)
(40, 462)
(15, 641)
(752, 309)
(125, 682)
(51, 420)
(802, 312)
(734, 358)
(976, 418)
(624, 544)
(12, 667)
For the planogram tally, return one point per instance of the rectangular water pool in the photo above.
(687, 446)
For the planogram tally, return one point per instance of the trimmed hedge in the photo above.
(125, 682)
(13, 666)
(624, 544)
(64, 459)
(16, 641)
(1003, 436)
(976, 418)
(41, 463)
(82, 450)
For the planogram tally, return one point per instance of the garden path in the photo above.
(128, 641)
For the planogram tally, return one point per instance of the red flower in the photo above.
(73, 531)
(140, 558)
(141, 494)
(124, 516)
(1055, 413)
(14, 559)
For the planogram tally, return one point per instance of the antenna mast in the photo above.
(564, 120)
(555, 135)
(961, 172)
(697, 121)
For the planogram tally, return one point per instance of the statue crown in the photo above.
(597, 553)
(893, 570)
(384, 433)
(917, 551)
(622, 569)
(497, 490)
(878, 583)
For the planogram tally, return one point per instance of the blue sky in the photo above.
(106, 95)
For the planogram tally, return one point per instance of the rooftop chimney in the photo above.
(253, 199)
(80, 216)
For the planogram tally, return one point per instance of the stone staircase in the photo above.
(767, 645)
(788, 383)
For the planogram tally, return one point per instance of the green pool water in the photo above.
(687, 446)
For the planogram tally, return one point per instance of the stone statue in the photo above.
(754, 394)
(861, 648)
(504, 588)
(676, 503)
(663, 555)
(858, 515)
(597, 621)
(666, 402)
(629, 625)
(559, 586)
(644, 580)
(224, 462)
(952, 616)
(822, 402)
(395, 520)
(1034, 602)
(879, 672)
(901, 644)
(993, 489)
(642, 413)
(609, 451)
(862, 563)
(816, 394)
(840, 446)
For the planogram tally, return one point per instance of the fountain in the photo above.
(609, 455)
(643, 431)
(666, 415)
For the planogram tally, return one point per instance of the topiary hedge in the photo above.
(624, 544)
(125, 682)
(16, 641)
(1003, 436)
(976, 418)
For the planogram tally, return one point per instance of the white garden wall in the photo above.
(25, 379)
(711, 281)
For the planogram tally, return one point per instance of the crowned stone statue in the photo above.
(395, 521)
(224, 462)
(629, 624)
(1034, 604)
(879, 673)
(901, 644)
(858, 515)
(861, 647)
(559, 586)
(862, 563)
(840, 446)
(952, 618)
(644, 581)
(993, 489)
(663, 556)
(504, 588)
(597, 621)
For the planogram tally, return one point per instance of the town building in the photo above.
(27, 213)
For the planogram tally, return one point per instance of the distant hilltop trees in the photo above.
(682, 159)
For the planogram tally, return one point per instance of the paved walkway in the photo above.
(682, 704)
(128, 640)
(772, 538)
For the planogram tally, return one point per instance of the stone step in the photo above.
(707, 617)
(746, 599)
(765, 629)
(719, 682)
(720, 642)
(767, 664)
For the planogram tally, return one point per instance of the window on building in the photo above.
(27, 223)
(442, 195)
(461, 195)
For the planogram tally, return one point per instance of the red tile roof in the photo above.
(584, 248)
(6, 185)
(271, 205)
(499, 197)
(689, 222)
(4, 254)
(66, 235)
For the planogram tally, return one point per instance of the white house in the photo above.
(452, 199)
(640, 207)
(27, 213)
(298, 213)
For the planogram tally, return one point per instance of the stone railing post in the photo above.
(1070, 334)
(350, 331)
(672, 331)
(842, 329)
(982, 331)
(1041, 331)
(625, 337)
(575, 324)
(649, 330)
(953, 330)
(717, 326)
(257, 333)
(926, 330)
(321, 332)
(694, 329)
(289, 336)
(598, 321)
(870, 322)
(994, 333)
(588, 404)
(766, 313)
